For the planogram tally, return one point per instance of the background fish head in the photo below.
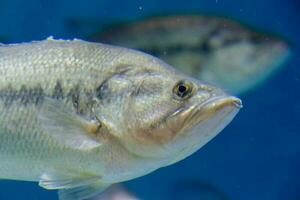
(241, 58)
(216, 50)
(157, 112)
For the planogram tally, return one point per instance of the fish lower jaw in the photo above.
(206, 130)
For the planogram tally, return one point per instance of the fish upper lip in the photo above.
(215, 103)
(223, 99)
(238, 103)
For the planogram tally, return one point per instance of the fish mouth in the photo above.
(220, 101)
(223, 106)
(202, 122)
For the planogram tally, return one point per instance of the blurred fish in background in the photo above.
(197, 190)
(116, 192)
(191, 189)
(216, 50)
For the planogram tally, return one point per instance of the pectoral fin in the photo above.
(54, 180)
(82, 192)
(68, 127)
(72, 186)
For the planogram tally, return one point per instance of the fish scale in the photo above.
(29, 66)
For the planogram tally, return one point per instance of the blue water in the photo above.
(256, 157)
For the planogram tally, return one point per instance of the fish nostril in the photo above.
(205, 47)
(205, 88)
(203, 95)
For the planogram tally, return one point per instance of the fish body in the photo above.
(29, 74)
(79, 116)
(216, 50)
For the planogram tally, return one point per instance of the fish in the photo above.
(78, 116)
(217, 50)
(116, 192)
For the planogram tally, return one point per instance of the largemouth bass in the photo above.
(78, 116)
(216, 50)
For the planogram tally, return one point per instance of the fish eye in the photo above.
(183, 90)
(205, 47)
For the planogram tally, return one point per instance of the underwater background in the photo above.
(256, 157)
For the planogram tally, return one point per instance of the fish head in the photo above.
(240, 58)
(157, 112)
